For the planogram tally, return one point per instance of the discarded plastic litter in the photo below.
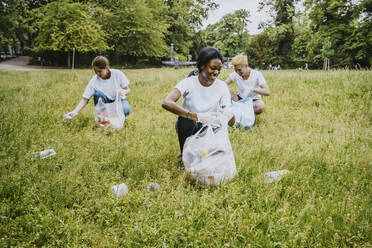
(153, 187)
(275, 176)
(44, 154)
(119, 190)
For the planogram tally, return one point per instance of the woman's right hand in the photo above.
(69, 116)
(83, 102)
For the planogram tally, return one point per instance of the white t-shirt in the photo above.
(245, 87)
(200, 99)
(109, 87)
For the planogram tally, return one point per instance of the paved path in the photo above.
(21, 64)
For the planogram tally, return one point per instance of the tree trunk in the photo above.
(326, 64)
(68, 59)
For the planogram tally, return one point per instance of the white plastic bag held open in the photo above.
(109, 115)
(244, 113)
(208, 156)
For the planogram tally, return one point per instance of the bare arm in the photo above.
(262, 90)
(127, 90)
(228, 81)
(170, 104)
(83, 102)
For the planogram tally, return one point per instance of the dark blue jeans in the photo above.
(124, 103)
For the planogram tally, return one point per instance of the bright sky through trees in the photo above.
(229, 6)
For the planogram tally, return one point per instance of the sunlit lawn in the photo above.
(316, 124)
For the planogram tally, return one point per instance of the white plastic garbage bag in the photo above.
(244, 113)
(109, 115)
(208, 156)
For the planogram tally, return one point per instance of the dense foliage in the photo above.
(131, 31)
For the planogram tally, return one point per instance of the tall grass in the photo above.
(316, 124)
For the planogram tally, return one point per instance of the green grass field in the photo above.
(316, 124)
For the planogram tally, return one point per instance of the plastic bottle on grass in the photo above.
(119, 190)
(44, 154)
(275, 176)
(153, 187)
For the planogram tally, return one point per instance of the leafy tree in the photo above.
(184, 18)
(259, 50)
(359, 43)
(136, 28)
(333, 20)
(12, 15)
(302, 32)
(229, 35)
(62, 26)
(280, 28)
(199, 42)
(33, 4)
(327, 52)
(210, 34)
(279, 11)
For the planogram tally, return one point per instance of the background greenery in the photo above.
(316, 124)
(140, 32)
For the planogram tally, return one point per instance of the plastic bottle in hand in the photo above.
(275, 176)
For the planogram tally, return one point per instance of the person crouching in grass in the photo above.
(202, 95)
(250, 83)
(105, 84)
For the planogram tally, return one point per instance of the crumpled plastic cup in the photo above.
(153, 187)
(119, 190)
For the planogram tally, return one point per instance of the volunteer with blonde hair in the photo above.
(250, 83)
(105, 84)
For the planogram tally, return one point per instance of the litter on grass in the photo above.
(275, 176)
(153, 187)
(44, 154)
(119, 190)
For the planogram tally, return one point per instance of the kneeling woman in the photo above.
(201, 94)
(105, 84)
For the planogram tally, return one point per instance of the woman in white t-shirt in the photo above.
(202, 94)
(105, 84)
(250, 83)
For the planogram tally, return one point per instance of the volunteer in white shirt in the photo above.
(105, 84)
(202, 95)
(250, 83)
